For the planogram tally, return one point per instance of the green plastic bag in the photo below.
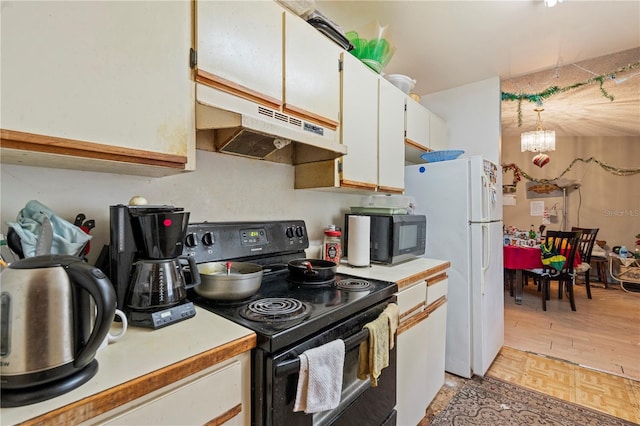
(551, 257)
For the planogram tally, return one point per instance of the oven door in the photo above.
(361, 404)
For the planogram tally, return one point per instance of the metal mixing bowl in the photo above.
(238, 282)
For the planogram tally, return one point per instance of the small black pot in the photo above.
(312, 270)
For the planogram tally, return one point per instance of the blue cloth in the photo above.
(67, 238)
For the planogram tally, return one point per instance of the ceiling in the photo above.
(446, 44)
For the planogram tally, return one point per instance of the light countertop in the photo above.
(145, 352)
(403, 274)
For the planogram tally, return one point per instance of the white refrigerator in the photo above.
(462, 202)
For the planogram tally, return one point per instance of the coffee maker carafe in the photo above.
(147, 264)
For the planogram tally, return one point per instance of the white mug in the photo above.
(116, 334)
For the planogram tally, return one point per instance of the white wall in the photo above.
(473, 116)
(223, 188)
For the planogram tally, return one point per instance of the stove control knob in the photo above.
(299, 232)
(289, 232)
(190, 240)
(208, 239)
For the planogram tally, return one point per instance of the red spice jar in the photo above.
(332, 249)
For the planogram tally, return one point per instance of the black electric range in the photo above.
(291, 317)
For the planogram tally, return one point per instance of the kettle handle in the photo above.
(96, 283)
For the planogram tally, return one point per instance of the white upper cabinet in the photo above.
(437, 133)
(359, 124)
(417, 124)
(259, 51)
(390, 138)
(425, 131)
(239, 45)
(372, 126)
(312, 74)
(102, 86)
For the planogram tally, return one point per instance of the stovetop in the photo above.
(327, 304)
(273, 244)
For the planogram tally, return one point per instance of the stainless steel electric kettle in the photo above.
(50, 330)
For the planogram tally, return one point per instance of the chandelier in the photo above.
(538, 140)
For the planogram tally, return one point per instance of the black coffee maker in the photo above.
(146, 264)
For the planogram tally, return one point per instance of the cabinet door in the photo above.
(437, 333)
(437, 287)
(359, 131)
(214, 396)
(390, 138)
(99, 72)
(312, 77)
(240, 47)
(414, 344)
(411, 300)
(417, 124)
(437, 133)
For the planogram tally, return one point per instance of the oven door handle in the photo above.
(293, 365)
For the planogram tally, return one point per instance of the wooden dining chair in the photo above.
(587, 240)
(565, 243)
(600, 262)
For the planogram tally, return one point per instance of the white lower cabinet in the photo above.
(216, 395)
(422, 305)
(421, 346)
(412, 350)
(437, 287)
(437, 331)
(413, 345)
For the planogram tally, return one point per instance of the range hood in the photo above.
(238, 126)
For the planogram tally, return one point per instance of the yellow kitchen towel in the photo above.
(392, 313)
(374, 352)
(320, 378)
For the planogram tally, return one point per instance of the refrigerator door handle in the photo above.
(487, 195)
(486, 250)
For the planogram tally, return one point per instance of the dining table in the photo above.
(519, 258)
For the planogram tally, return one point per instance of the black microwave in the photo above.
(394, 238)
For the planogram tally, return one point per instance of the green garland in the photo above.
(518, 172)
(553, 90)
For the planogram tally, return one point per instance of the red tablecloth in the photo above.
(518, 257)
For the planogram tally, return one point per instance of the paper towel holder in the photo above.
(359, 242)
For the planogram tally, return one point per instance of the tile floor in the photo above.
(611, 394)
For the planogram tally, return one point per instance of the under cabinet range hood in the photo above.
(234, 125)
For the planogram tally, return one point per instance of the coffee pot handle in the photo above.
(95, 282)
(193, 269)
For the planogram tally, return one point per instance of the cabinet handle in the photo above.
(212, 80)
(437, 279)
(415, 308)
(225, 417)
(23, 141)
(435, 305)
(414, 320)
